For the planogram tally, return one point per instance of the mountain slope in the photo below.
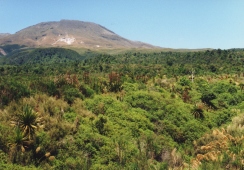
(4, 35)
(70, 33)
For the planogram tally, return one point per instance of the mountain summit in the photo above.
(70, 33)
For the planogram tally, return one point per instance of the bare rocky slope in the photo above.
(69, 33)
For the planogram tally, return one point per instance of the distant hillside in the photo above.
(10, 49)
(42, 56)
(4, 35)
(69, 33)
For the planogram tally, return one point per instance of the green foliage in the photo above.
(100, 124)
(192, 130)
(207, 98)
(184, 81)
(224, 117)
(86, 91)
(124, 111)
(12, 90)
(12, 48)
(28, 122)
(43, 56)
(70, 94)
(70, 116)
(144, 100)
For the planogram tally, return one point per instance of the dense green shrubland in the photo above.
(126, 111)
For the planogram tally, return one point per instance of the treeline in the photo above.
(174, 63)
(136, 64)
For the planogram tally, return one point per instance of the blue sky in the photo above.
(166, 23)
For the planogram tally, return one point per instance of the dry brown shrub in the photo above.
(211, 146)
(176, 159)
(38, 149)
(47, 154)
(199, 157)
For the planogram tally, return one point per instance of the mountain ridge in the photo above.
(70, 33)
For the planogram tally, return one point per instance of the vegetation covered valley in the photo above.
(135, 110)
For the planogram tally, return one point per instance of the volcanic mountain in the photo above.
(69, 33)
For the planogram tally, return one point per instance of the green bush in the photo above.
(70, 94)
(184, 81)
(86, 91)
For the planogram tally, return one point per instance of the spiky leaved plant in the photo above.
(18, 146)
(28, 121)
(18, 140)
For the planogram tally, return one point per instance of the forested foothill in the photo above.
(61, 109)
